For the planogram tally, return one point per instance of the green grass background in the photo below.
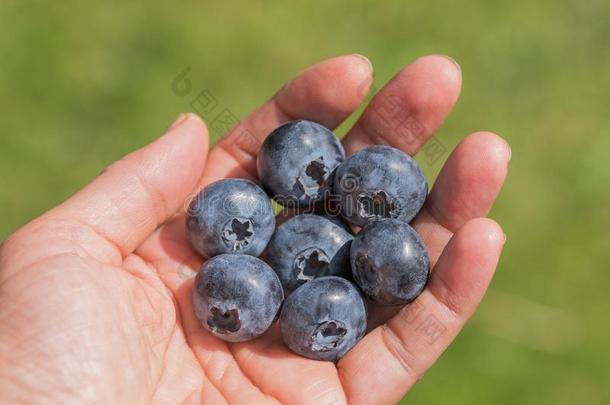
(82, 83)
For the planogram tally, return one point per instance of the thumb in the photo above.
(139, 192)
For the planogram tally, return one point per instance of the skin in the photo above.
(95, 295)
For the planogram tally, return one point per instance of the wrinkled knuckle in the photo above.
(399, 350)
(497, 149)
(114, 167)
(242, 142)
(444, 294)
(392, 124)
(12, 244)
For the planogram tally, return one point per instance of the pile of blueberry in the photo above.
(316, 274)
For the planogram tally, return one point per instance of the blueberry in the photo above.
(335, 219)
(379, 182)
(389, 262)
(296, 163)
(230, 216)
(324, 318)
(306, 247)
(236, 297)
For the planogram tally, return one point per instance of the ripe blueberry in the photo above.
(296, 163)
(230, 216)
(324, 318)
(389, 262)
(335, 219)
(379, 182)
(236, 297)
(306, 247)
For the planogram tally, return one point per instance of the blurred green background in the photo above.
(82, 83)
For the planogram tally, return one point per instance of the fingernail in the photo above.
(457, 65)
(510, 152)
(181, 118)
(364, 58)
(504, 239)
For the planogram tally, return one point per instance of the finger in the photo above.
(137, 193)
(470, 180)
(114, 213)
(410, 108)
(325, 93)
(285, 375)
(466, 188)
(389, 360)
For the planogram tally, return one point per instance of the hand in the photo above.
(95, 294)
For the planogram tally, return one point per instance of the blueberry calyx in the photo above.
(365, 266)
(317, 170)
(313, 177)
(327, 336)
(311, 263)
(377, 204)
(224, 321)
(237, 233)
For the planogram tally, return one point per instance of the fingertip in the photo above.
(353, 78)
(177, 122)
(480, 240)
(494, 146)
(363, 64)
(453, 61)
(487, 232)
(484, 156)
(442, 67)
(190, 126)
(338, 84)
(470, 180)
(432, 84)
(179, 154)
(195, 122)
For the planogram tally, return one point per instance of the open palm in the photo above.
(95, 294)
